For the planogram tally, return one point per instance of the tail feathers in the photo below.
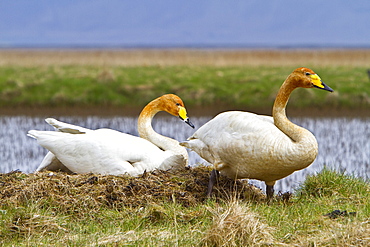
(41, 134)
(32, 133)
(37, 134)
(185, 144)
(65, 127)
(173, 162)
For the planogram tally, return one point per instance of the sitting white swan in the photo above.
(106, 151)
(246, 145)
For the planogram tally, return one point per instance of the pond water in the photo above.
(344, 143)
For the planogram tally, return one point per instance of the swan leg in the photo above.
(269, 191)
(212, 180)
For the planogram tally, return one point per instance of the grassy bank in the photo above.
(170, 210)
(50, 82)
(198, 86)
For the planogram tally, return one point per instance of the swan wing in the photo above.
(66, 127)
(102, 151)
(229, 131)
(173, 162)
(241, 143)
(51, 163)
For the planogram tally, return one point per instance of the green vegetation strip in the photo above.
(83, 85)
(169, 209)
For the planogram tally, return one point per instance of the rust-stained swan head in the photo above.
(306, 78)
(170, 103)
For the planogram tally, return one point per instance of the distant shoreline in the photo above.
(185, 56)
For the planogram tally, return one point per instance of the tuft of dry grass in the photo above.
(175, 57)
(25, 224)
(128, 236)
(237, 225)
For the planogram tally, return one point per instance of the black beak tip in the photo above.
(190, 123)
(326, 87)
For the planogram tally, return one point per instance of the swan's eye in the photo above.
(308, 73)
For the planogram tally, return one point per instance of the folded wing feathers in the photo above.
(65, 127)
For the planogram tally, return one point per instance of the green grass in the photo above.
(300, 221)
(84, 85)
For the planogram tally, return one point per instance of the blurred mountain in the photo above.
(191, 23)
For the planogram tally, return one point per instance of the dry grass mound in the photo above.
(237, 225)
(81, 192)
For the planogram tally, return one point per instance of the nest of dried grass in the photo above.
(72, 193)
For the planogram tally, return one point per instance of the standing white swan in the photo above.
(107, 151)
(246, 145)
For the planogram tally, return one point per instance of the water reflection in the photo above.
(343, 143)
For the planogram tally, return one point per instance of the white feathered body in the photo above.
(104, 151)
(247, 145)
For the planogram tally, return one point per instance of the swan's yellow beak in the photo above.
(316, 81)
(183, 116)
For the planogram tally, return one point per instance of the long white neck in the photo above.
(295, 132)
(147, 132)
(303, 141)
